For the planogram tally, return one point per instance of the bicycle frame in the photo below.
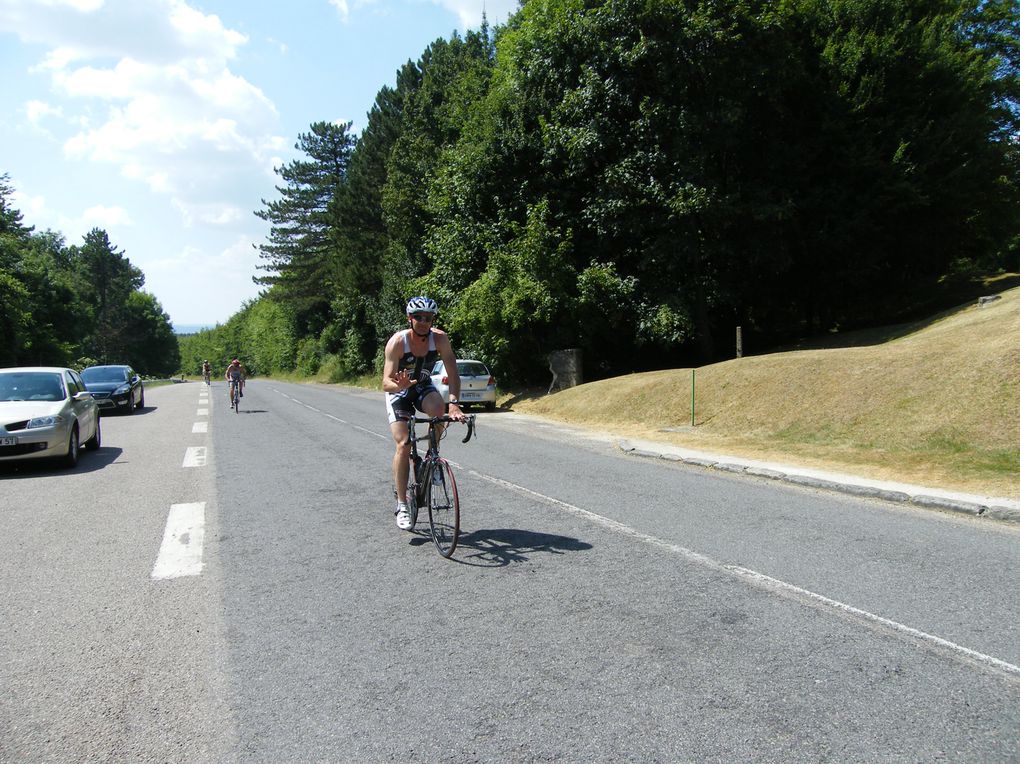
(432, 453)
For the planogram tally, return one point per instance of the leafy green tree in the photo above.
(774, 165)
(106, 279)
(268, 337)
(15, 318)
(358, 311)
(454, 76)
(150, 343)
(299, 256)
(57, 327)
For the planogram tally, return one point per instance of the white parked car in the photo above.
(477, 385)
(46, 412)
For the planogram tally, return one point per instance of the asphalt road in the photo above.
(218, 587)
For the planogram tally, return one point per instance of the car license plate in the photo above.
(468, 396)
(8, 440)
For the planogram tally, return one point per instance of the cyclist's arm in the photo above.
(393, 379)
(452, 374)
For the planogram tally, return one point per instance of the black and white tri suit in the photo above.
(404, 402)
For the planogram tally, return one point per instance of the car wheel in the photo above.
(93, 443)
(141, 399)
(130, 408)
(490, 406)
(71, 459)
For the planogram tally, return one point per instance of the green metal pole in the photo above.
(692, 397)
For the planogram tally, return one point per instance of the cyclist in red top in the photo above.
(235, 375)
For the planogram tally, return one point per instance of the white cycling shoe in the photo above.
(403, 517)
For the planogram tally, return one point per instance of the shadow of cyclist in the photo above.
(499, 547)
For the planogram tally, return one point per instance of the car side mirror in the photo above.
(83, 396)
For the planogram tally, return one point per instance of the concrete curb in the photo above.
(993, 509)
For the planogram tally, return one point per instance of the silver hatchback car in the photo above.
(477, 385)
(46, 412)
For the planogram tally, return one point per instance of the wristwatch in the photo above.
(454, 400)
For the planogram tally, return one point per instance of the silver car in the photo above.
(46, 412)
(477, 385)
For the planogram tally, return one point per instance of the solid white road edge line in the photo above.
(180, 554)
(767, 582)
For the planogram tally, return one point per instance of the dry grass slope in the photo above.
(939, 405)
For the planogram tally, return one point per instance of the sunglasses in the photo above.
(423, 317)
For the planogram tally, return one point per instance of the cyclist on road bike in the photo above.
(410, 355)
(235, 375)
(206, 369)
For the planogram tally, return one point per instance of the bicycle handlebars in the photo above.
(469, 420)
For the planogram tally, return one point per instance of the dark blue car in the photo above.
(115, 388)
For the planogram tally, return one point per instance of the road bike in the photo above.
(235, 395)
(205, 377)
(431, 483)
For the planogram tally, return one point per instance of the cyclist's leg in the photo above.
(432, 405)
(401, 458)
(396, 408)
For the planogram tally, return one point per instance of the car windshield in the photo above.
(31, 386)
(100, 374)
(471, 369)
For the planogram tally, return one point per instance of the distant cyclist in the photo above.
(206, 370)
(410, 355)
(236, 374)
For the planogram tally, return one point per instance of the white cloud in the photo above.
(218, 214)
(101, 216)
(38, 213)
(31, 207)
(205, 285)
(36, 111)
(147, 87)
(470, 12)
(342, 7)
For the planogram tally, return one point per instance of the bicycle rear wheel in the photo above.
(444, 506)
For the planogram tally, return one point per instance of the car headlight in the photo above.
(122, 389)
(44, 421)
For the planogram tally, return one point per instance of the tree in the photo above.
(150, 344)
(300, 256)
(781, 166)
(454, 76)
(106, 279)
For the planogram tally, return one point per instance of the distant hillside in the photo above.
(937, 402)
(183, 329)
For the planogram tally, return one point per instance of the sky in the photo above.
(161, 121)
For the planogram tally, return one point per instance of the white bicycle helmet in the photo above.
(422, 305)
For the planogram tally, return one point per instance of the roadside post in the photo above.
(692, 397)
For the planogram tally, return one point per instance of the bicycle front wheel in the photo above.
(444, 506)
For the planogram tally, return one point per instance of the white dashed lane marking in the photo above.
(200, 427)
(180, 554)
(195, 456)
